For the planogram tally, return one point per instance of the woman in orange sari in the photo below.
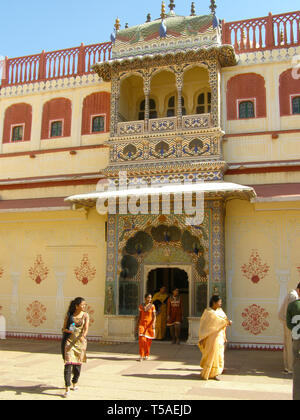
(146, 326)
(212, 339)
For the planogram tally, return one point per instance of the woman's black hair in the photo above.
(214, 299)
(148, 294)
(73, 304)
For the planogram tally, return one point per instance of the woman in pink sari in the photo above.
(212, 339)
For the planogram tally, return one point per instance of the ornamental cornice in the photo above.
(167, 168)
(278, 55)
(165, 136)
(224, 54)
(91, 79)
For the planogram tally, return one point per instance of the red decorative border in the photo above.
(255, 346)
(50, 337)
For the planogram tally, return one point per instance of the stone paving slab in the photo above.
(33, 370)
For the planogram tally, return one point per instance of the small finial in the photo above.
(163, 10)
(117, 25)
(213, 7)
(193, 9)
(148, 18)
(172, 6)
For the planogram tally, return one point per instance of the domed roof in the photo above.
(176, 26)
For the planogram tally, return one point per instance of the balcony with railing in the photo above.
(258, 34)
(51, 65)
(265, 33)
(163, 125)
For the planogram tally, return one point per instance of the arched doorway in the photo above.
(171, 278)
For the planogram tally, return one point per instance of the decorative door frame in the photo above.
(187, 268)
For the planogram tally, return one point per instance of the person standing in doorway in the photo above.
(293, 324)
(146, 326)
(160, 301)
(175, 315)
(74, 342)
(2, 325)
(288, 342)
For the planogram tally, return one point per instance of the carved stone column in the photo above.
(215, 84)
(114, 109)
(147, 84)
(179, 86)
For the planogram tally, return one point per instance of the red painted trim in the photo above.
(261, 133)
(264, 170)
(63, 149)
(51, 177)
(63, 183)
(31, 203)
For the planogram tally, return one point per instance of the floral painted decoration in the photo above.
(36, 314)
(85, 272)
(255, 270)
(39, 271)
(255, 319)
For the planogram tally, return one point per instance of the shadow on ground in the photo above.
(237, 362)
(34, 390)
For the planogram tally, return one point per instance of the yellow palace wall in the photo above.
(47, 259)
(62, 242)
(265, 235)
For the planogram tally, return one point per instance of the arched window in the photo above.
(296, 105)
(204, 103)
(17, 123)
(246, 109)
(96, 113)
(246, 97)
(152, 109)
(171, 111)
(56, 118)
(289, 94)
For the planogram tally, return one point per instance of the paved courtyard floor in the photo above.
(33, 370)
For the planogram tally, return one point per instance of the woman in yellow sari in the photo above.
(212, 339)
(161, 298)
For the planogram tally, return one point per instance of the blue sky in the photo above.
(28, 27)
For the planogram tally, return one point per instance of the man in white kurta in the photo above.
(288, 342)
(2, 326)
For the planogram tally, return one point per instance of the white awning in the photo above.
(208, 188)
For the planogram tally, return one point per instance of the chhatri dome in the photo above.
(168, 33)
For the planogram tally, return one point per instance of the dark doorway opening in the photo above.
(172, 278)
